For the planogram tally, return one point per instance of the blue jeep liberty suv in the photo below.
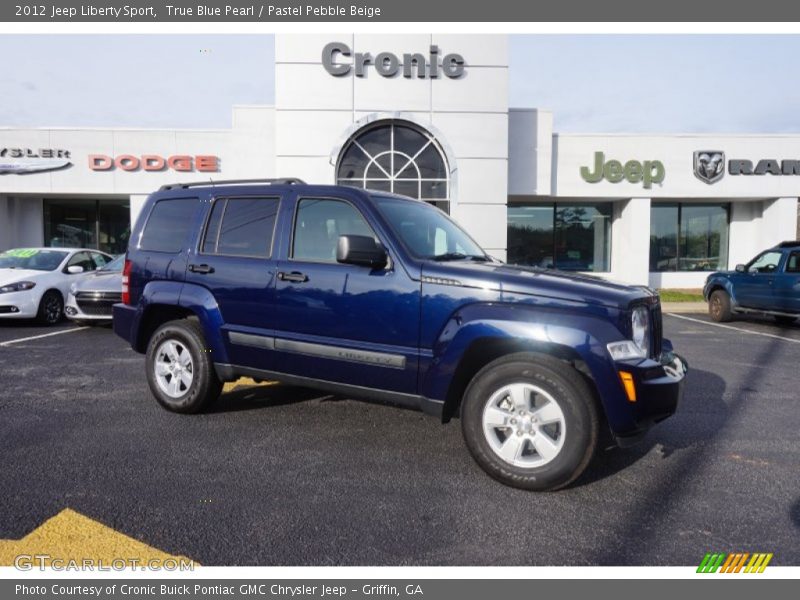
(369, 294)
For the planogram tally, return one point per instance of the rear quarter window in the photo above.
(169, 223)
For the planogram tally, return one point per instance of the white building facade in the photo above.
(428, 116)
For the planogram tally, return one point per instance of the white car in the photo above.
(35, 281)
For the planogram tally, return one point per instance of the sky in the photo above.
(592, 83)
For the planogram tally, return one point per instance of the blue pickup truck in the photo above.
(373, 295)
(769, 284)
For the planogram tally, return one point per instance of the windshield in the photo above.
(115, 265)
(427, 232)
(29, 258)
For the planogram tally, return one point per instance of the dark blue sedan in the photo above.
(768, 284)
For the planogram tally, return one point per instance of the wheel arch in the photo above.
(156, 315)
(481, 333)
(483, 351)
(165, 301)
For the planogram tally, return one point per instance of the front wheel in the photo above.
(51, 308)
(530, 421)
(719, 306)
(180, 371)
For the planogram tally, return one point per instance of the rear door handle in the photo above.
(202, 269)
(294, 277)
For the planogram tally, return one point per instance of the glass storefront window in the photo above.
(688, 237)
(664, 237)
(79, 223)
(566, 236)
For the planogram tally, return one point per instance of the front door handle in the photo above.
(202, 269)
(294, 276)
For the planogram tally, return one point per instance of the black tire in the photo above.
(566, 387)
(51, 308)
(719, 306)
(784, 320)
(205, 386)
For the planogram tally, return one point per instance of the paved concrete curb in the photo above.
(684, 307)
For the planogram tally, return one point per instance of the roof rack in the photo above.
(789, 244)
(211, 182)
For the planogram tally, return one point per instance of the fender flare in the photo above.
(195, 299)
(577, 337)
(720, 283)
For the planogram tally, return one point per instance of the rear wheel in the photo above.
(51, 308)
(530, 421)
(719, 306)
(180, 371)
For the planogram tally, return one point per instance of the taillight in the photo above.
(126, 289)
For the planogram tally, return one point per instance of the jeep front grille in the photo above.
(658, 329)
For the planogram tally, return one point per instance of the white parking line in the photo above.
(769, 335)
(37, 337)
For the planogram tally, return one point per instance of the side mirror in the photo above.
(74, 269)
(361, 250)
(741, 269)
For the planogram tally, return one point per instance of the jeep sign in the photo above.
(339, 60)
(647, 173)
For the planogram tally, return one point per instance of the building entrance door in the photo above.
(103, 224)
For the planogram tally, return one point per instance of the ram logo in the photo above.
(709, 165)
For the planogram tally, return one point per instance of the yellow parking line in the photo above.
(70, 536)
(244, 382)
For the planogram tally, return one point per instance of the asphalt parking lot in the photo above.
(283, 476)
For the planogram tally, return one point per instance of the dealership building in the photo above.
(428, 116)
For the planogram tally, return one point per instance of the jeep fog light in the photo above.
(625, 350)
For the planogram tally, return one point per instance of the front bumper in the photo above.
(91, 307)
(659, 388)
(19, 305)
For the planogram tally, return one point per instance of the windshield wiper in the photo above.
(460, 256)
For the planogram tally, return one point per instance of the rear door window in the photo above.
(169, 224)
(241, 227)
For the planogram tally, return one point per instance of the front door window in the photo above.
(766, 263)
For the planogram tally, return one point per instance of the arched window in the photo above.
(399, 157)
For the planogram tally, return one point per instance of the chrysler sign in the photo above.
(339, 60)
(24, 161)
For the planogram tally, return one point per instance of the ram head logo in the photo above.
(709, 165)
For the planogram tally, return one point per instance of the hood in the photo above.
(14, 275)
(535, 281)
(720, 274)
(101, 281)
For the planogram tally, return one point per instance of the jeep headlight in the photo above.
(640, 329)
(20, 286)
(639, 345)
